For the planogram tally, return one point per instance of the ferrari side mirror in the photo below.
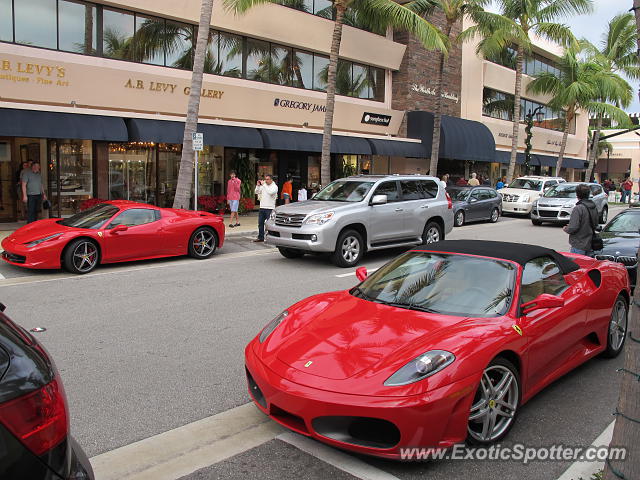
(119, 228)
(544, 300)
(361, 273)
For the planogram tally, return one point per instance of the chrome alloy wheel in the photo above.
(494, 215)
(618, 324)
(494, 406)
(350, 249)
(433, 235)
(85, 256)
(204, 243)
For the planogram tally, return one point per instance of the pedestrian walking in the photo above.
(26, 166)
(302, 194)
(32, 191)
(625, 188)
(287, 190)
(501, 183)
(267, 192)
(582, 223)
(233, 197)
(473, 181)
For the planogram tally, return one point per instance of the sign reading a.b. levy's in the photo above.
(36, 76)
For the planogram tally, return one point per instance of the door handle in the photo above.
(424, 206)
(399, 209)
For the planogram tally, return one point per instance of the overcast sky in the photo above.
(592, 27)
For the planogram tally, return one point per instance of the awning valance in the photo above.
(39, 124)
(147, 130)
(312, 142)
(540, 160)
(398, 148)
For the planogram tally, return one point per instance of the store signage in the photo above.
(432, 91)
(162, 87)
(38, 73)
(376, 119)
(297, 105)
(198, 141)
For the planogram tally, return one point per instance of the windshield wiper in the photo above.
(408, 306)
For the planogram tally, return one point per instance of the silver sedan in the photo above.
(556, 204)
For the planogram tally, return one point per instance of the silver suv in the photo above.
(363, 212)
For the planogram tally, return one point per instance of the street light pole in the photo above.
(537, 112)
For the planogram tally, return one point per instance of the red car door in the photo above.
(135, 233)
(554, 334)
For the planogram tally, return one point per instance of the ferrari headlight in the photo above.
(319, 218)
(421, 367)
(525, 198)
(38, 242)
(271, 326)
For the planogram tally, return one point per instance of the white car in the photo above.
(519, 196)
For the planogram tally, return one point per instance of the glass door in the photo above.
(9, 184)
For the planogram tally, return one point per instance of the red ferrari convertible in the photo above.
(443, 344)
(115, 231)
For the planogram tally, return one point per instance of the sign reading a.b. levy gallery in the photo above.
(30, 76)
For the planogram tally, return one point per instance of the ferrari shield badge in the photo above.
(517, 329)
(308, 364)
(99, 234)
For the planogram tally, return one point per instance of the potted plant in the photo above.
(208, 203)
(246, 205)
(221, 204)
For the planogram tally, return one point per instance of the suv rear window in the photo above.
(429, 188)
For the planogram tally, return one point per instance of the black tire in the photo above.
(203, 243)
(290, 252)
(497, 366)
(349, 249)
(615, 344)
(458, 218)
(81, 256)
(536, 222)
(495, 215)
(432, 233)
(604, 215)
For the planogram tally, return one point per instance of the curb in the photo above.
(230, 233)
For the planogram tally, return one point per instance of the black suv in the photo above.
(34, 419)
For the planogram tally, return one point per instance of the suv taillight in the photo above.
(38, 419)
(449, 202)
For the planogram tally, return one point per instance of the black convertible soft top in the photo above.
(516, 252)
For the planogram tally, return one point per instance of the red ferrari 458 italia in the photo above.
(443, 344)
(115, 231)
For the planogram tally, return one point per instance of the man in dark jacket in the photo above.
(583, 221)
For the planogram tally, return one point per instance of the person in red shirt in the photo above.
(626, 187)
(233, 197)
(287, 190)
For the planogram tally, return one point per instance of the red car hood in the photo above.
(36, 230)
(342, 335)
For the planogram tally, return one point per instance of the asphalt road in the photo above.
(147, 347)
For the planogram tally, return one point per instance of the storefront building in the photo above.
(620, 159)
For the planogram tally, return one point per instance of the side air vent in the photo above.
(596, 277)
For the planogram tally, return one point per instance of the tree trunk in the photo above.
(565, 135)
(185, 175)
(636, 10)
(437, 114)
(593, 154)
(626, 432)
(516, 114)
(325, 161)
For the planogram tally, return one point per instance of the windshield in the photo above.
(561, 191)
(629, 222)
(94, 217)
(459, 194)
(526, 184)
(442, 283)
(344, 191)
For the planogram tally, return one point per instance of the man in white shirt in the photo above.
(267, 192)
(302, 194)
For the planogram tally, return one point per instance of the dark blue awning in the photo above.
(398, 148)
(312, 142)
(39, 124)
(146, 130)
(460, 139)
(540, 160)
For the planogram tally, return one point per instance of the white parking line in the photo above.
(587, 469)
(369, 270)
(336, 458)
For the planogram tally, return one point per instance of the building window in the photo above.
(6, 25)
(76, 27)
(117, 31)
(149, 40)
(302, 69)
(179, 42)
(320, 68)
(230, 55)
(35, 23)
(533, 64)
(499, 105)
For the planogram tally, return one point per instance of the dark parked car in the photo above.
(471, 204)
(621, 238)
(35, 443)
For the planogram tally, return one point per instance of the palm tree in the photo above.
(575, 87)
(617, 55)
(527, 17)
(185, 174)
(378, 13)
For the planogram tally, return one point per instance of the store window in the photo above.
(77, 27)
(168, 168)
(132, 173)
(6, 24)
(117, 34)
(41, 33)
(210, 179)
(69, 175)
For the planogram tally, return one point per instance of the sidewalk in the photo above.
(248, 226)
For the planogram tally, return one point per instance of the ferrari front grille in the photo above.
(12, 257)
